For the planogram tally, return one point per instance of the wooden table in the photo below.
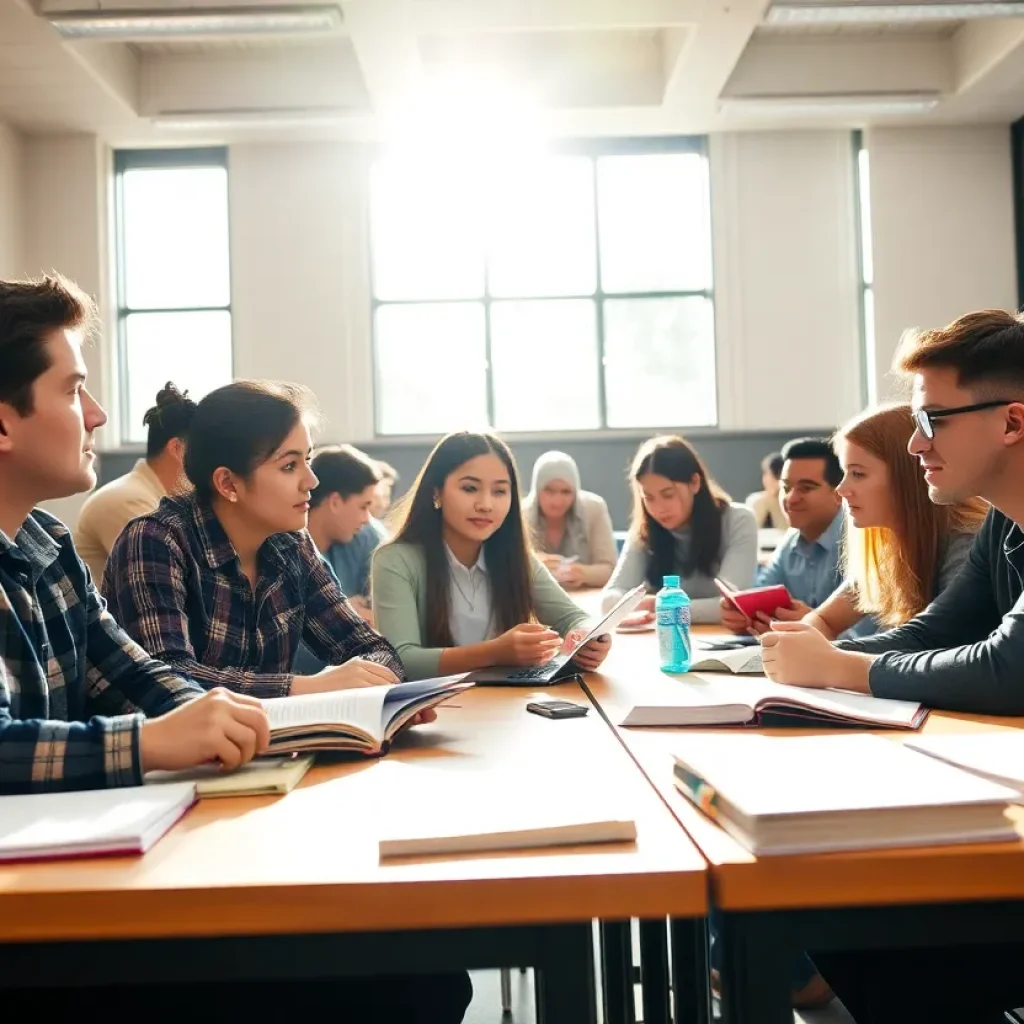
(772, 907)
(293, 886)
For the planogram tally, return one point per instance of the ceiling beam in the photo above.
(387, 49)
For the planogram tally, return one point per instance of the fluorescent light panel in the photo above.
(190, 24)
(878, 13)
(849, 105)
(286, 117)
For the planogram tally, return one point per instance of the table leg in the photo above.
(565, 976)
(617, 973)
(756, 962)
(654, 971)
(691, 978)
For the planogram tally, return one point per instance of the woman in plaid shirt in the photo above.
(224, 582)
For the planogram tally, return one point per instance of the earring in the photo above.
(437, 502)
(234, 497)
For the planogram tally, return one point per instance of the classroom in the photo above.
(511, 512)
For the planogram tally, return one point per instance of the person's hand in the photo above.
(231, 728)
(571, 575)
(551, 562)
(354, 673)
(590, 656)
(362, 607)
(794, 613)
(529, 643)
(797, 654)
(637, 618)
(733, 620)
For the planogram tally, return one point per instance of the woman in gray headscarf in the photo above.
(571, 528)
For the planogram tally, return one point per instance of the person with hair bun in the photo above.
(224, 582)
(108, 510)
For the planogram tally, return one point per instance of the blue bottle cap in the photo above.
(671, 581)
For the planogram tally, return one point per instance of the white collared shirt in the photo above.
(469, 600)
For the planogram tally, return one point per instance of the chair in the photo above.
(506, 989)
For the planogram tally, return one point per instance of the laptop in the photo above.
(559, 667)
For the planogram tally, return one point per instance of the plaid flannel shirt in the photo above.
(73, 687)
(175, 583)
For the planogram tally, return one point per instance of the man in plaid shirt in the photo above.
(81, 705)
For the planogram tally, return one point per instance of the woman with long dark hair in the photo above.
(459, 588)
(683, 524)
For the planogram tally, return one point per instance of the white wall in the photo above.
(67, 183)
(786, 279)
(12, 203)
(942, 229)
(300, 275)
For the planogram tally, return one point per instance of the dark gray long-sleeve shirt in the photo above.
(965, 651)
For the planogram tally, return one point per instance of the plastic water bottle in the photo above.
(672, 613)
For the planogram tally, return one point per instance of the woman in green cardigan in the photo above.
(459, 588)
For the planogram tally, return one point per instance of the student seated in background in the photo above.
(385, 488)
(340, 521)
(459, 588)
(962, 653)
(81, 705)
(901, 550)
(570, 528)
(224, 582)
(806, 563)
(765, 504)
(682, 524)
(110, 509)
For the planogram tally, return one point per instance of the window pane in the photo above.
(655, 222)
(426, 231)
(544, 360)
(191, 349)
(660, 362)
(542, 229)
(431, 374)
(175, 230)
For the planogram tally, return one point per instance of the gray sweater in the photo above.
(737, 564)
(965, 651)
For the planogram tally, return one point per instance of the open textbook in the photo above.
(364, 720)
(698, 699)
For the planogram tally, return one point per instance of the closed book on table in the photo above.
(93, 823)
(813, 794)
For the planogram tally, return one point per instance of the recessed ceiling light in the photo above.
(845, 105)
(193, 23)
(817, 13)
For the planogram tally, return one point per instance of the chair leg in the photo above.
(506, 990)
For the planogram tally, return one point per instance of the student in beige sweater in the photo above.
(459, 588)
(110, 509)
(570, 527)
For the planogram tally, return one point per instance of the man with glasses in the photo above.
(964, 652)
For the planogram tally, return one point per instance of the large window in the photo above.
(174, 288)
(569, 291)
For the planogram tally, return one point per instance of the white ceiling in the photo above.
(585, 67)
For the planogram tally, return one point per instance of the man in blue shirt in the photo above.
(343, 530)
(807, 561)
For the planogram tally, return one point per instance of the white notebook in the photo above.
(459, 813)
(997, 756)
(801, 794)
(92, 823)
(696, 699)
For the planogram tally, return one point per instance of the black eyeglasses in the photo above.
(923, 418)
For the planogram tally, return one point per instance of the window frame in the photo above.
(866, 283)
(148, 159)
(593, 149)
